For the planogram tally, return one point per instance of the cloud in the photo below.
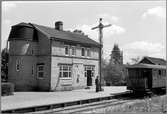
(108, 17)
(116, 29)
(143, 48)
(156, 11)
(7, 22)
(107, 32)
(7, 6)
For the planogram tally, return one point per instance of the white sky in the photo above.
(138, 27)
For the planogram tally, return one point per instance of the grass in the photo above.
(154, 104)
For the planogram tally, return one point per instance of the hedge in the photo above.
(7, 89)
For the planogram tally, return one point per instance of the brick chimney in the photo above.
(59, 25)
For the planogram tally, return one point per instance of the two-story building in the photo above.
(49, 59)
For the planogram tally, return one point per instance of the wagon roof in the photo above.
(153, 60)
(150, 66)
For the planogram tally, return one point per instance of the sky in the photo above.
(138, 27)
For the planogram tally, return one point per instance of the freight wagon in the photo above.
(146, 77)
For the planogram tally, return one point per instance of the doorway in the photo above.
(148, 77)
(89, 78)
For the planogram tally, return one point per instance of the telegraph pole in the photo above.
(100, 28)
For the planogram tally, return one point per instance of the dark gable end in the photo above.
(146, 61)
(152, 60)
(23, 31)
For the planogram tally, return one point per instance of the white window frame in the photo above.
(85, 71)
(40, 71)
(89, 67)
(68, 71)
(17, 65)
(68, 50)
(73, 47)
(84, 52)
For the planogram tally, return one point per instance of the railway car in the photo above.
(146, 77)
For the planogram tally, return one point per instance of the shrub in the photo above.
(7, 89)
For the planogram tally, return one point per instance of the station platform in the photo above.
(33, 99)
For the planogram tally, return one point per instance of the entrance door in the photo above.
(149, 74)
(89, 78)
(148, 78)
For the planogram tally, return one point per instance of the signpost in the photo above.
(100, 27)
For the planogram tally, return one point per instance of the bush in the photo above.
(7, 89)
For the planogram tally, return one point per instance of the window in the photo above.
(83, 51)
(85, 72)
(164, 72)
(159, 72)
(88, 52)
(73, 50)
(40, 71)
(17, 65)
(32, 51)
(93, 71)
(65, 71)
(66, 50)
(32, 70)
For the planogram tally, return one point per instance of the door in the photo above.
(149, 73)
(148, 78)
(89, 78)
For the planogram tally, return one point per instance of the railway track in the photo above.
(84, 107)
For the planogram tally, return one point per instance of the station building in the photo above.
(50, 59)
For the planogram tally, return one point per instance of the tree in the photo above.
(113, 74)
(104, 64)
(4, 64)
(135, 60)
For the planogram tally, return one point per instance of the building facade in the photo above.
(50, 59)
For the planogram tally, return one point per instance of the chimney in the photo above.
(59, 25)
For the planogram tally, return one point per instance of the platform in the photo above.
(31, 99)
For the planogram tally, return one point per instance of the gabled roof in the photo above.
(150, 66)
(23, 24)
(54, 34)
(156, 61)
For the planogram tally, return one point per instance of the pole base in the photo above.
(101, 89)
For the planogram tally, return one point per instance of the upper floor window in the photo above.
(73, 50)
(65, 71)
(83, 52)
(66, 50)
(88, 52)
